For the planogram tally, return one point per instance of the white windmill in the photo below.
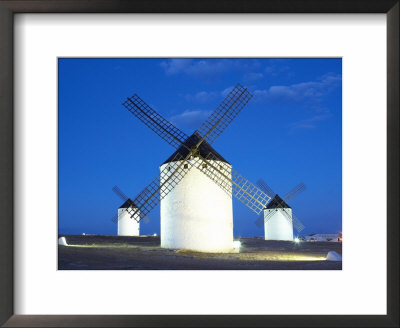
(125, 225)
(196, 204)
(278, 217)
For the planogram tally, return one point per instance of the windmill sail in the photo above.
(265, 187)
(268, 190)
(296, 222)
(263, 219)
(294, 192)
(224, 114)
(115, 218)
(158, 188)
(216, 123)
(166, 130)
(269, 215)
(120, 193)
(260, 220)
(233, 183)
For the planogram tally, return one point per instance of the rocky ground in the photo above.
(91, 252)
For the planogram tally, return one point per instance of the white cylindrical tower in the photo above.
(278, 225)
(197, 213)
(127, 226)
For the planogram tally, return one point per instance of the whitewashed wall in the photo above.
(126, 225)
(278, 226)
(197, 215)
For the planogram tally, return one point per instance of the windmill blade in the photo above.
(292, 218)
(297, 223)
(248, 193)
(160, 187)
(163, 128)
(294, 192)
(287, 215)
(115, 218)
(264, 186)
(120, 193)
(233, 183)
(270, 215)
(260, 220)
(264, 219)
(224, 114)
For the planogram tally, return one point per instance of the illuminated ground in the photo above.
(144, 253)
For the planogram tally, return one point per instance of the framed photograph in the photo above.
(199, 212)
(117, 207)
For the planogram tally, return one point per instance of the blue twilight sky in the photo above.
(290, 132)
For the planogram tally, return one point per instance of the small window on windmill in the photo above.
(204, 165)
(185, 166)
(169, 168)
(220, 167)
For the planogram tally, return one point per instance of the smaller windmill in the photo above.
(278, 218)
(127, 225)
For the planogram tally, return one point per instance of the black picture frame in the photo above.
(10, 7)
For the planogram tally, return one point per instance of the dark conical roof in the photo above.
(204, 149)
(127, 203)
(277, 202)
